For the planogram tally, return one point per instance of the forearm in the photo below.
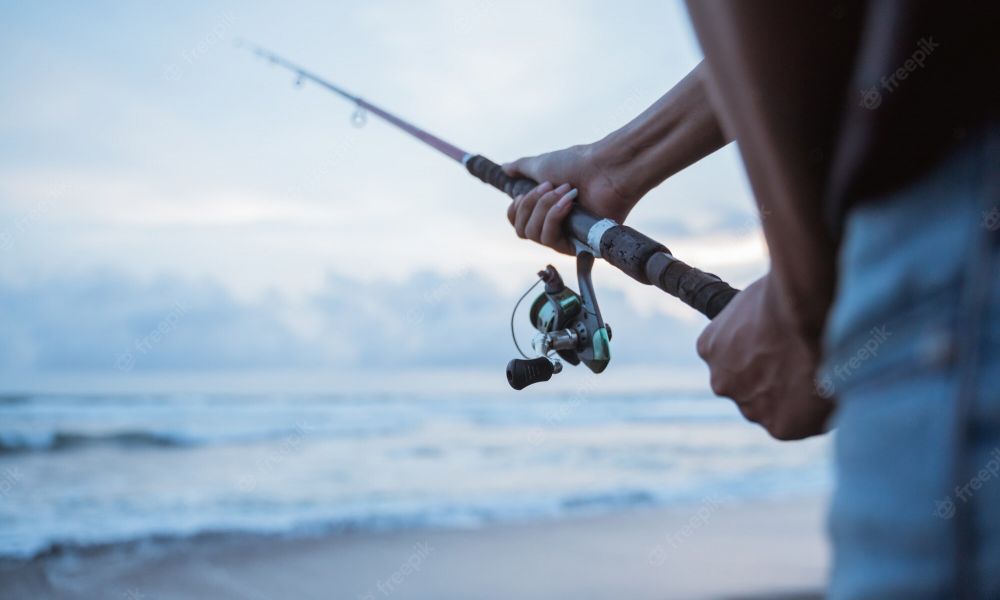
(677, 130)
(782, 128)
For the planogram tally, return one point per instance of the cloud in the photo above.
(107, 321)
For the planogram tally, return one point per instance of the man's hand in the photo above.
(758, 359)
(614, 173)
(539, 214)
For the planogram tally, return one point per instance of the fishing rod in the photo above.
(570, 324)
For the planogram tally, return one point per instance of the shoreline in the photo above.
(713, 549)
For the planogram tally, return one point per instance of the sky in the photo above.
(171, 202)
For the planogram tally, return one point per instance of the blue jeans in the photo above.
(912, 354)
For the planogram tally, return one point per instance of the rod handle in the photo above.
(490, 172)
(704, 292)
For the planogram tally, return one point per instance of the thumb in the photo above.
(512, 168)
(519, 167)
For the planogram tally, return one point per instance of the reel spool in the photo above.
(570, 328)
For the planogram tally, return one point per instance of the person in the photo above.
(870, 137)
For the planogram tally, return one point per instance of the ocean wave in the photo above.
(62, 441)
(447, 517)
(12, 443)
(615, 499)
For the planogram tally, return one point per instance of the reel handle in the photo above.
(522, 373)
(639, 256)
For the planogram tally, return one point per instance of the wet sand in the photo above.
(713, 549)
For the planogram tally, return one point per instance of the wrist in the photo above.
(612, 162)
(789, 312)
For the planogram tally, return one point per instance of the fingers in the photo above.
(539, 215)
(533, 227)
(520, 209)
(552, 232)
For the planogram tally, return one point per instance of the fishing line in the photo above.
(514, 312)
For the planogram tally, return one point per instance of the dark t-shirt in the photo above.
(923, 74)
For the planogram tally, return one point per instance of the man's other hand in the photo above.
(759, 360)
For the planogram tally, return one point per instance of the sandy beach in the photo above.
(714, 549)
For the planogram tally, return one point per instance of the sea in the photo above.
(84, 469)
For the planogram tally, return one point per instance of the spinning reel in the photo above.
(569, 327)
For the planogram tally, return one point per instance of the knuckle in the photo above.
(715, 382)
(703, 346)
(783, 432)
(547, 198)
(721, 384)
(750, 414)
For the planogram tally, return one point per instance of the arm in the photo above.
(777, 74)
(613, 174)
(678, 130)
